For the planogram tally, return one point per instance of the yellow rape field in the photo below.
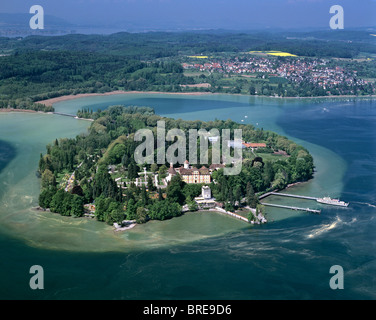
(281, 54)
(198, 57)
(276, 53)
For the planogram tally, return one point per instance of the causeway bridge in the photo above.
(65, 114)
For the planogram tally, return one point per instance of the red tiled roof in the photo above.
(255, 145)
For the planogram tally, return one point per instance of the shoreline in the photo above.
(50, 102)
(18, 110)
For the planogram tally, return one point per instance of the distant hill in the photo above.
(19, 20)
(17, 24)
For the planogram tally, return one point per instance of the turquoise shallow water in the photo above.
(205, 256)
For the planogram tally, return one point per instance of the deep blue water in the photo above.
(348, 129)
(289, 259)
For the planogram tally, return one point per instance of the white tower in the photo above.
(206, 192)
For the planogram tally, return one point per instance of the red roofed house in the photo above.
(254, 145)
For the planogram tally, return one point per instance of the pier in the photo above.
(291, 207)
(292, 196)
(273, 193)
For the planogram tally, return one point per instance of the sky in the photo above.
(197, 14)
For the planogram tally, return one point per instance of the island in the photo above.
(96, 175)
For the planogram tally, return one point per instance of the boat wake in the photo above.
(324, 228)
(366, 204)
(327, 227)
(370, 205)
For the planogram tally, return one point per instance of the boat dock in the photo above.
(291, 207)
(273, 193)
(292, 196)
(329, 202)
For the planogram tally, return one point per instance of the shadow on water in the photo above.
(7, 154)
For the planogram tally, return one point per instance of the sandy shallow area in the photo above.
(50, 102)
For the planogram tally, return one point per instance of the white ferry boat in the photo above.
(334, 202)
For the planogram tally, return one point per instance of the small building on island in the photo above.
(206, 200)
(254, 146)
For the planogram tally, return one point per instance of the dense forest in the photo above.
(153, 45)
(31, 76)
(110, 142)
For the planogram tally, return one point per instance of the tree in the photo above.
(154, 168)
(66, 206)
(163, 171)
(56, 204)
(237, 193)
(280, 179)
(144, 196)
(174, 190)
(141, 216)
(132, 170)
(115, 155)
(77, 206)
(115, 213)
(131, 210)
(192, 190)
(160, 194)
(268, 173)
(162, 210)
(48, 179)
(46, 196)
(251, 216)
(251, 198)
(150, 183)
(192, 205)
(101, 206)
(229, 207)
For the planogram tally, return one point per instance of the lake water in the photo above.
(199, 255)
